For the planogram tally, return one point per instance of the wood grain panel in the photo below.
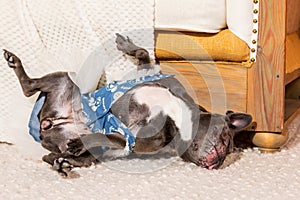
(266, 77)
(217, 87)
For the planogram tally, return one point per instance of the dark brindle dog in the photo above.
(158, 113)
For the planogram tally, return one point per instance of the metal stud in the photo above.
(253, 50)
(252, 59)
(253, 41)
(255, 1)
(255, 21)
(255, 11)
(254, 31)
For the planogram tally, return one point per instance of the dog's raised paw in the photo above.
(124, 44)
(12, 59)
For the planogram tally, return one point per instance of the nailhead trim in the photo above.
(253, 46)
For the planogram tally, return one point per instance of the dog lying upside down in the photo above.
(156, 113)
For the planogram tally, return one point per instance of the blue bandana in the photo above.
(96, 109)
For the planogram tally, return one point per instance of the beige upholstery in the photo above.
(222, 46)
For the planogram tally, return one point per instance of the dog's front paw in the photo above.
(12, 60)
(76, 147)
(64, 167)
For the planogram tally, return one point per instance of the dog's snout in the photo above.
(41, 137)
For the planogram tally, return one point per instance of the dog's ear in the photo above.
(238, 121)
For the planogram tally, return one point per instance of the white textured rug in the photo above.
(250, 175)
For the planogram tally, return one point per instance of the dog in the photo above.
(159, 113)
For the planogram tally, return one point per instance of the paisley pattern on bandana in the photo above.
(96, 109)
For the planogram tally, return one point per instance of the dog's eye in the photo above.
(195, 147)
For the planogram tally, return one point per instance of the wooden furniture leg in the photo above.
(266, 87)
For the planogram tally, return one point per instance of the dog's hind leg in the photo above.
(128, 47)
(32, 85)
(27, 83)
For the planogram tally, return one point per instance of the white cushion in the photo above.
(240, 18)
(191, 15)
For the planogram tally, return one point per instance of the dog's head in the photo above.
(214, 138)
(56, 138)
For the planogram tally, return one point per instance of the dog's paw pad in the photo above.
(64, 168)
(62, 164)
(10, 59)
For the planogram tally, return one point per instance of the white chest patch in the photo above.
(162, 100)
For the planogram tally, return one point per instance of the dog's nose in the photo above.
(41, 137)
